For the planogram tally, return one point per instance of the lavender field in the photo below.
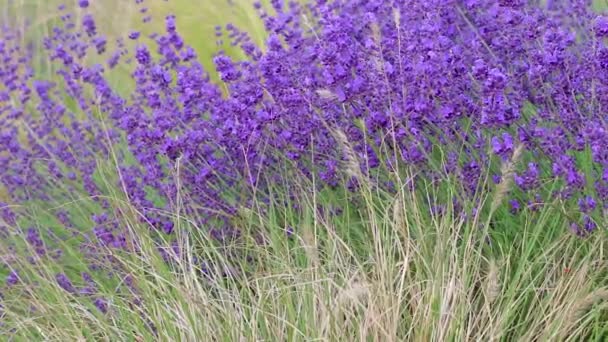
(330, 170)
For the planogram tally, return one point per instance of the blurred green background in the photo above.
(196, 21)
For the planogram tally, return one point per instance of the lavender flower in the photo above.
(64, 282)
(101, 304)
(134, 35)
(586, 204)
(12, 278)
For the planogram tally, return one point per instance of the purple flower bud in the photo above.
(64, 282)
(134, 35)
(589, 224)
(496, 145)
(142, 55)
(12, 278)
(601, 26)
(289, 231)
(515, 206)
(167, 227)
(89, 25)
(587, 204)
(101, 304)
(33, 237)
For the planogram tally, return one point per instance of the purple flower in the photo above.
(496, 80)
(589, 224)
(33, 237)
(529, 179)
(83, 3)
(134, 35)
(228, 72)
(64, 282)
(289, 231)
(89, 25)
(101, 304)
(515, 206)
(104, 235)
(601, 26)
(12, 278)
(586, 204)
(502, 146)
(142, 55)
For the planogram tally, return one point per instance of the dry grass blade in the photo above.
(493, 288)
(580, 308)
(351, 164)
(354, 293)
(507, 171)
(327, 94)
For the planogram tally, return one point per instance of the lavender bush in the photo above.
(462, 85)
(507, 97)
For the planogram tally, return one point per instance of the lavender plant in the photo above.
(346, 93)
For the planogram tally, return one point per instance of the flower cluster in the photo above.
(403, 83)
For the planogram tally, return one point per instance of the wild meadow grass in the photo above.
(403, 275)
(301, 261)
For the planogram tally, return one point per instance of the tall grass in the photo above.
(412, 275)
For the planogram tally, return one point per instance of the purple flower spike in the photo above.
(64, 282)
(587, 204)
(134, 35)
(12, 278)
(601, 26)
(101, 304)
